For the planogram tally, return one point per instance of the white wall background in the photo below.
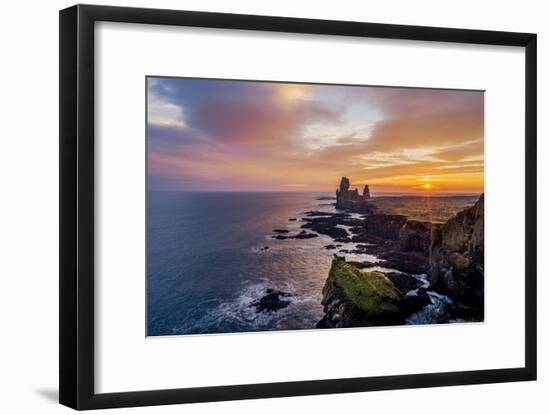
(29, 205)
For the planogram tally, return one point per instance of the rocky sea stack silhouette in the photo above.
(347, 199)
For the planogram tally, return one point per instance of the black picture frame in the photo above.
(76, 279)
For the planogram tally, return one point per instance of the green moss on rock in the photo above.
(372, 293)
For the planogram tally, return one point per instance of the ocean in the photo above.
(210, 255)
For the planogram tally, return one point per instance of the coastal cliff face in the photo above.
(451, 254)
(457, 256)
(384, 226)
(400, 243)
(353, 298)
(415, 236)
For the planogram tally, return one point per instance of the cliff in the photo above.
(353, 298)
(400, 243)
(457, 256)
(415, 236)
(383, 226)
(452, 254)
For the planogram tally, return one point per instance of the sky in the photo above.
(227, 135)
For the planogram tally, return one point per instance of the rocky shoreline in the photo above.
(427, 265)
(451, 255)
(353, 298)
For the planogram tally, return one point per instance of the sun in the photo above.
(424, 183)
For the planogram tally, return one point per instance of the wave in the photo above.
(439, 311)
(240, 315)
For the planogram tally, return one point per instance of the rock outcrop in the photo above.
(400, 243)
(415, 236)
(351, 200)
(273, 300)
(344, 187)
(301, 235)
(330, 224)
(384, 226)
(457, 256)
(366, 192)
(353, 298)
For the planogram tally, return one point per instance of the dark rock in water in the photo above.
(280, 230)
(326, 226)
(351, 200)
(438, 311)
(353, 298)
(415, 236)
(273, 300)
(330, 214)
(292, 219)
(305, 235)
(265, 248)
(301, 235)
(404, 282)
(457, 256)
(330, 247)
(418, 301)
(330, 224)
(442, 309)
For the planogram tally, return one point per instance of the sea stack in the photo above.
(351, 200)
(344, 192)
(366, 192)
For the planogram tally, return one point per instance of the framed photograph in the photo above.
(258, 207)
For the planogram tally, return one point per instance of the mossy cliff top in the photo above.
(372, 293)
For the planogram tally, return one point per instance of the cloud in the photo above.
(160, 112)
(235, 112)
(233, 135)
(422, 117)
(462, 151)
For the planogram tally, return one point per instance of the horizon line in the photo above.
(432, 193)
